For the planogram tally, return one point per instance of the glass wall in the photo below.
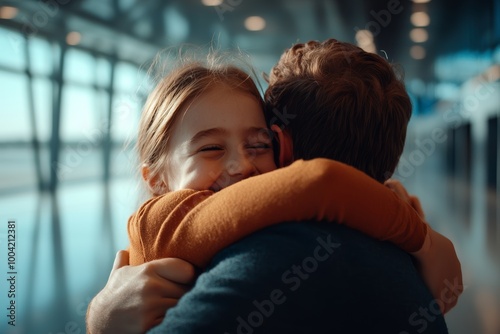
(67, 172)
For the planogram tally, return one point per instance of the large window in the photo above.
(90, 106)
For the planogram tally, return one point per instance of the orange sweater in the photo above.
(195, 225)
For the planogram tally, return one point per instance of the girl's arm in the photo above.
(194, 226)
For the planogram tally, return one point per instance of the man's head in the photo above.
(341, 103)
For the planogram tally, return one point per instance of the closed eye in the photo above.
(259, 148)
(210, 148)
(259, 145)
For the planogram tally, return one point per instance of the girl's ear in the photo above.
(156, 184)
(285, 146)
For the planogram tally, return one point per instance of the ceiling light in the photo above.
(369, 48)
(417, 52)
(420, 19)
(364, 37)
(419, 35)
(255, 23)
(73, 38)
(421, 1)
(212, 2)
(8, 12)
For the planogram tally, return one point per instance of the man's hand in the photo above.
(136, 298)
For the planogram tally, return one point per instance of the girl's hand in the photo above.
(437, 261)
(136, 298)
(400, 190)
(439, 266)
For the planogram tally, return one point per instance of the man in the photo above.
(336, 101)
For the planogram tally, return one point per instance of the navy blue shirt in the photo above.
(307, 277)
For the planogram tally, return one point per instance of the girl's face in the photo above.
(220, 140)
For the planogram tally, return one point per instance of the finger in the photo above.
(389, 183)
(403, 194)
(401, 189)
(164, 288)
(174, 269)
(415, 203)
(121, 259)
(397, 187)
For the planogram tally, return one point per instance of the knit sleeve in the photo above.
(154, 226)
(318, 189)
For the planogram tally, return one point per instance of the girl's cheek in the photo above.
(268, 164)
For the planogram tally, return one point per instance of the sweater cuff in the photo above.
(426, 245)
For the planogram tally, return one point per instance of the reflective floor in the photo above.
(65, 246)
(466, 210)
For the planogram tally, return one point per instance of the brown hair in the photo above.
(172, 97)
(342, 103)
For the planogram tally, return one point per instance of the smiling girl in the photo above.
(204, 129)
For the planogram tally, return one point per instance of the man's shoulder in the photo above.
(307, 277)
(301, 238)
(336, 251)
(331, 276)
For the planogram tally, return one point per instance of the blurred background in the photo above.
(73, 80)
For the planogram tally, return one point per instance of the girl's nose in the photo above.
(242, 166)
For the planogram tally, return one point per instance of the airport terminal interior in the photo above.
(74, 75)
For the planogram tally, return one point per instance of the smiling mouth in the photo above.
(215, 188)
(221, 183)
